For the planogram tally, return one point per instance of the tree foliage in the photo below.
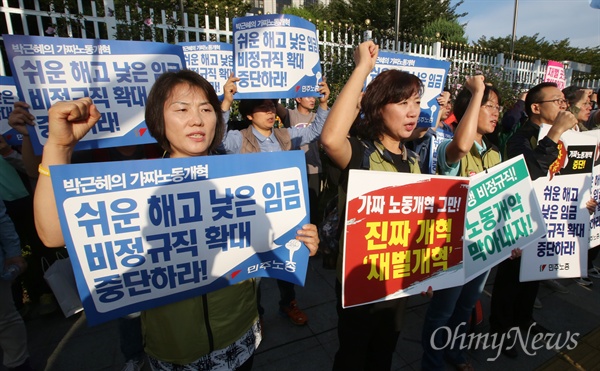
(446, 30)
(414, 15)
(540, 48)
(311, 12)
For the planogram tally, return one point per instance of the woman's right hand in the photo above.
(69, 121)
(366, 54)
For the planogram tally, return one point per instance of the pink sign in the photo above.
(555, 72)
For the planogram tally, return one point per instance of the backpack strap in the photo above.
(370, 147)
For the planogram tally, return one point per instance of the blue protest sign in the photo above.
(146, 233)
(8, 97)
(441, 134)
(212, 60)
(432, 72)
(276, 56)
(116, 75)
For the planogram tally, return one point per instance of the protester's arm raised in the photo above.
(346, 107)
(229, 89)
(68, 122)
(564, 121)
(466, 131)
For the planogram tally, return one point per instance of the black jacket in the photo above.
(538, 156)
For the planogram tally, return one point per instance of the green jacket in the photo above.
(474, 163)
(184, 331)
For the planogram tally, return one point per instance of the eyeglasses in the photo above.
(559, 101)
(493, 107)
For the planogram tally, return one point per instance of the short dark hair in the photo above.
(391, 86)
(247, 106)
(570, 93)
(464, 97)
(535, 95)
(161, 91)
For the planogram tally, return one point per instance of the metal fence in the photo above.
(97, 20)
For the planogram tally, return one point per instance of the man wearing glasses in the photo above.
(594, 121)
(512, 301)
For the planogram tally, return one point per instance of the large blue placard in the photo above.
(8, 97)
(432, 72)
(146, 233)
(276, 56)
(116, 75)
(212, 60)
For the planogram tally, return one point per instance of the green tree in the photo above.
(311, 12)
(300, 12)
(414, 15)
(443, 29)
(232, 8)
(535, 47)
(137, 23)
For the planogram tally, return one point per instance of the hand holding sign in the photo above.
(309, 235)
(20, 117)
(324, 91)
(591, 205)
(229, 89)
(443, 99)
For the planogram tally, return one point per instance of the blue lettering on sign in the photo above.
(281, 196)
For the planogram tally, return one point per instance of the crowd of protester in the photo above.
(379, 124)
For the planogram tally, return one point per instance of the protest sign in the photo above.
(403, 233)
(8, 97)
(595, 220)
(562, 195)
(432, 72)
(146, 233)
(555, 72)
(212, 60)
(502, 214)
(435, 140)
(276, 56)
(116, 75)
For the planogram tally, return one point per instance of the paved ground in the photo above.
(59, 344)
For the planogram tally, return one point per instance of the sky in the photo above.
(552, 19)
